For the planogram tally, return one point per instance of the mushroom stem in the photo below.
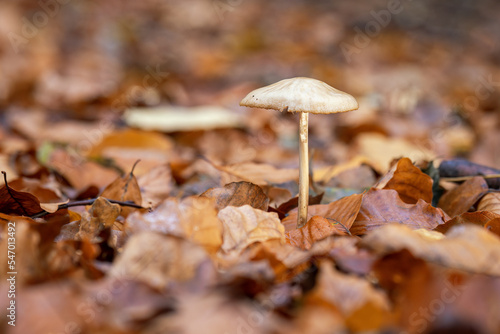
(303, 170)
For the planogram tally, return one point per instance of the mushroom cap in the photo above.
(300, 95)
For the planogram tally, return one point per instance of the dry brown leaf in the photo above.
(350, 295)
(124, 189)
(238, 194)
(465, 247)
(259, 174)
(155, 185)
(244, 225)
(101, 215)
(490, 202)
(409, 181)
(193, 218)
(463, 197)
(317, 228)
(159, 260)
(340, 213)
(480, 218)
(381, 207)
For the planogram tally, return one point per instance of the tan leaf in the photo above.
(409, 181)
(466, 247)
(101, 215)
(243, 226)
(341, 213)
(480, 218)
(158, 260)
(381, 207)
(238, 194)
(155, 185)
(260, 174)
(124, 189)
(194, 218)
(490, 202)
(461, 198)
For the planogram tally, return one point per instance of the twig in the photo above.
(88, 202)
(468, 177)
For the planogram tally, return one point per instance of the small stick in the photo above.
(88, 202)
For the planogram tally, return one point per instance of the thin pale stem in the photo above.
(303, 170)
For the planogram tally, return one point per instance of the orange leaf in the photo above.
(409, 181)
(342, 212)
(381, 207)
(461, 198)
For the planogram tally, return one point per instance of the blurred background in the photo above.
(425, 72)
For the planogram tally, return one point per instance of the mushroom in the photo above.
(303, 95)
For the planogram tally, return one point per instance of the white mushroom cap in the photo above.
(300, 95)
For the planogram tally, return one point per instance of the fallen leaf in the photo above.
(490, 202)
(293, 203)
(259, 174)
(193, 218)
(317, 228)
(465, 247)
(383, 206)
(480, 218)
(243, 226)
(409, 181)
(170, 119)
(238, 194)
(340, 213)
(350, 295)
(101, 215)
(463, 197)
(380, 150)
(124, 189)
(159, 260)
(155, 185)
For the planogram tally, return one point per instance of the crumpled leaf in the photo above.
(194, 218)
(341, 213)
(124, 189)
(409, 181)
(381, 207)
(465, 247)
(259, 174)
(101, 215)
(461, 198)
(159, 260)
(238, 194)
(244, 225)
